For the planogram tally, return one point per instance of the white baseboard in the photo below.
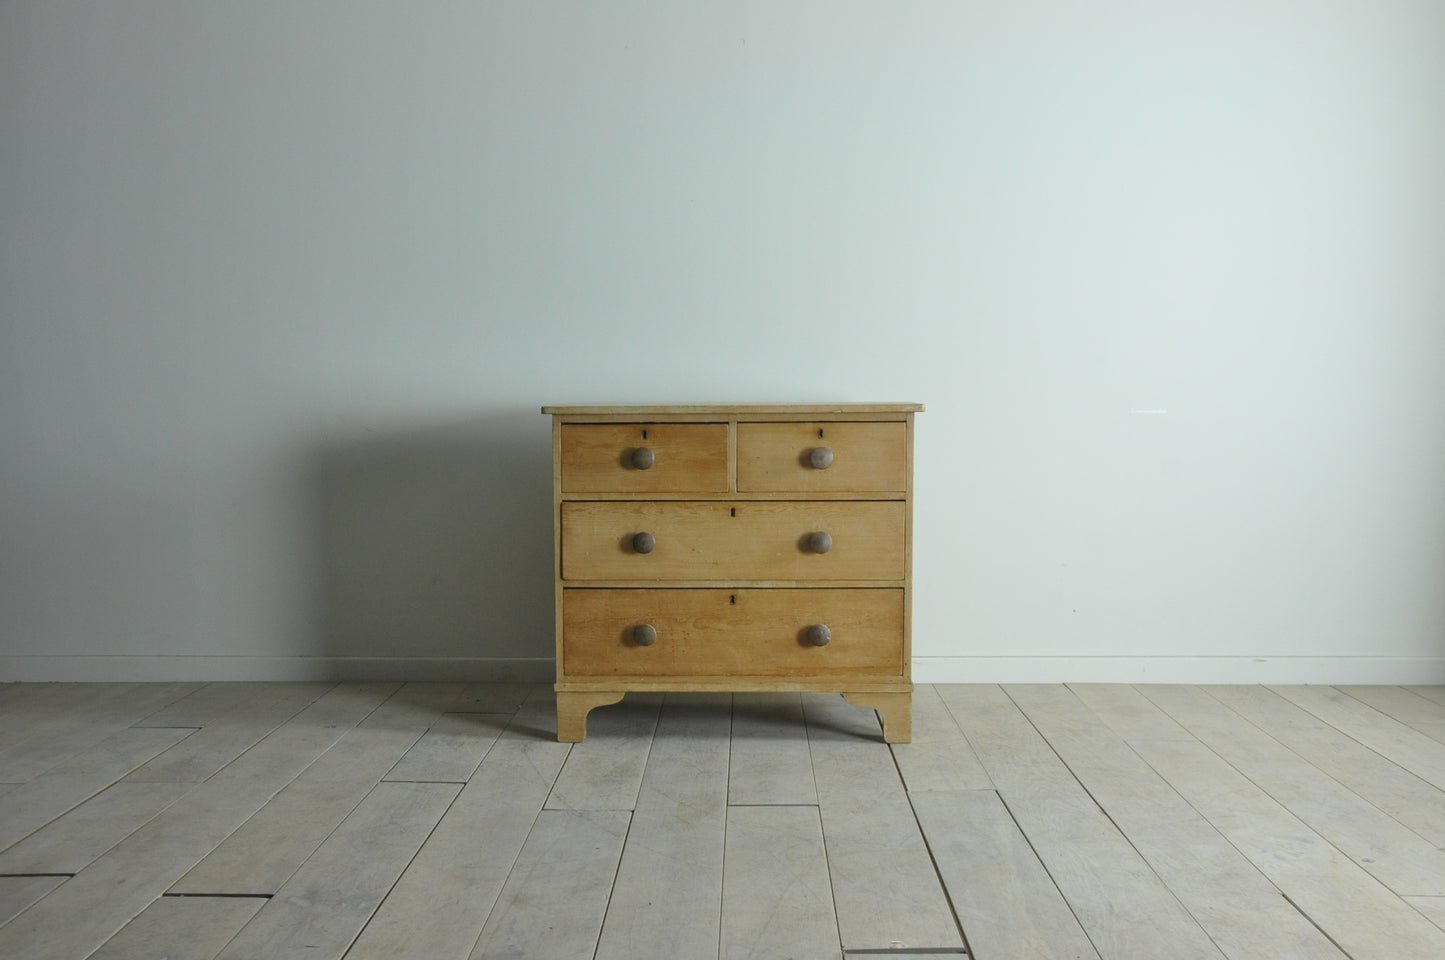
(1316, 670)
(1284, 670)
(83, 669)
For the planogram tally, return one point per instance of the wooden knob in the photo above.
(644, 634)
(821, 458)
(643, 458)
(819, 634)
(820, 542)
(643, 542)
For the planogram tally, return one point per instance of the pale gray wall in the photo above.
(283, 285)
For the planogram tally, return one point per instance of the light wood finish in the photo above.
(1115, 822)
(690, 457)
(749, 576)
(720, 540)
(895, 711)
(573, 707)
(866, 457)
(737, 411)
(734, 633)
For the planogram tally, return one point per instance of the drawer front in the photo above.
(606, 458)
(732, 633)
(860, 458)
(738, 540)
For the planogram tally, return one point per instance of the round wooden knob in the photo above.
(820, 542)
(643, 542)
(821, 458)
(819, 634)
(644, 634)
(643, 458)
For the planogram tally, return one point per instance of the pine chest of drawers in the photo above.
(733, 548)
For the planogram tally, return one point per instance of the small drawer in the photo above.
(732, 633)
(733, 540)
(841, 457)
(644, 458)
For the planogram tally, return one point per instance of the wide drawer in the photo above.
(841, 457)
(732, 633)
(644, 457)
(734, 540)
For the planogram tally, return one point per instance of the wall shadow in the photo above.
(436, 545)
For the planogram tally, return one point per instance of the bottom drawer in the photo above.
(762, 632)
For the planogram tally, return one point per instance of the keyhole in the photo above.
(734, 511)
(733, 599)
(644, 434)
(820, 433)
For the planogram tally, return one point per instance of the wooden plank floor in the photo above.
(442, 821)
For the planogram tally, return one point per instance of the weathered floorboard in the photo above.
(1387, 785)
(62, 719)
(672, 865)
(552, 905)
(440, 904)
(87, 910)
(1416, 752)
(1384, 847)
(1083, 818)
(32, 805)
(770, 760)
(939, 758)
(604, 771)
(776, 897)
(1353, 908)
(887, 892)
(268, 848)
(1236, 904)
(319, 912)
(1006, 902)
(17, 893)
(181, 928)
(1120, 902)
(73, 841)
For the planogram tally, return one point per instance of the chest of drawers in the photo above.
(733, 548)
